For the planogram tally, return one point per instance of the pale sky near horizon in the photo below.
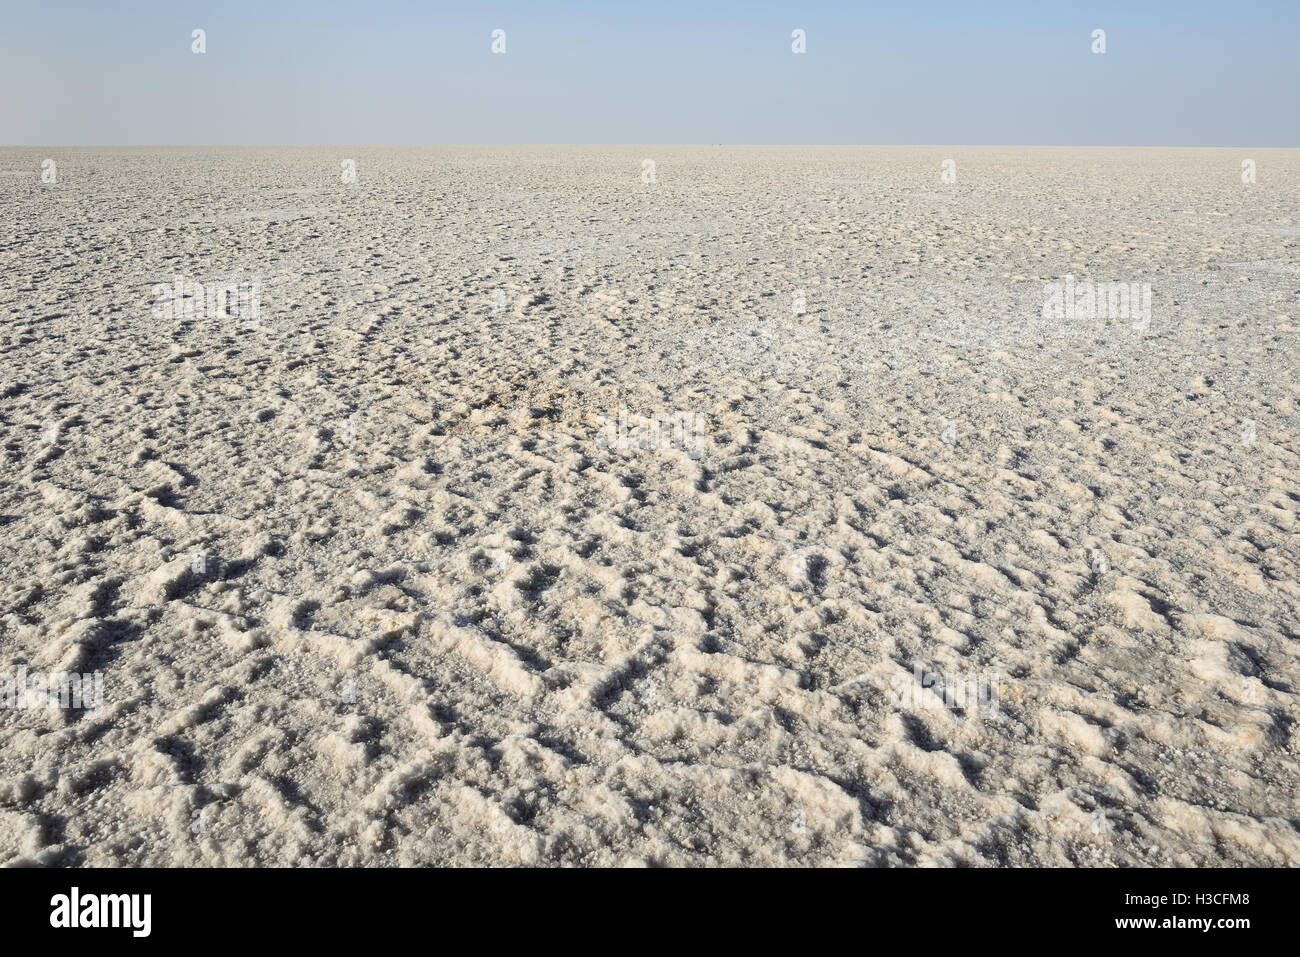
(1005, 72)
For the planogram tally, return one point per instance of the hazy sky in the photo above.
(387, 71)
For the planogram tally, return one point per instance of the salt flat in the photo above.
(788, 506)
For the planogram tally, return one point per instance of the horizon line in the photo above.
(1072, 146)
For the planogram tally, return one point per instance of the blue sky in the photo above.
(389, 71)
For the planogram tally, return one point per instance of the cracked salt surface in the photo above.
(436, 620)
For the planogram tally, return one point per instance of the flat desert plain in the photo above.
(746, 506)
